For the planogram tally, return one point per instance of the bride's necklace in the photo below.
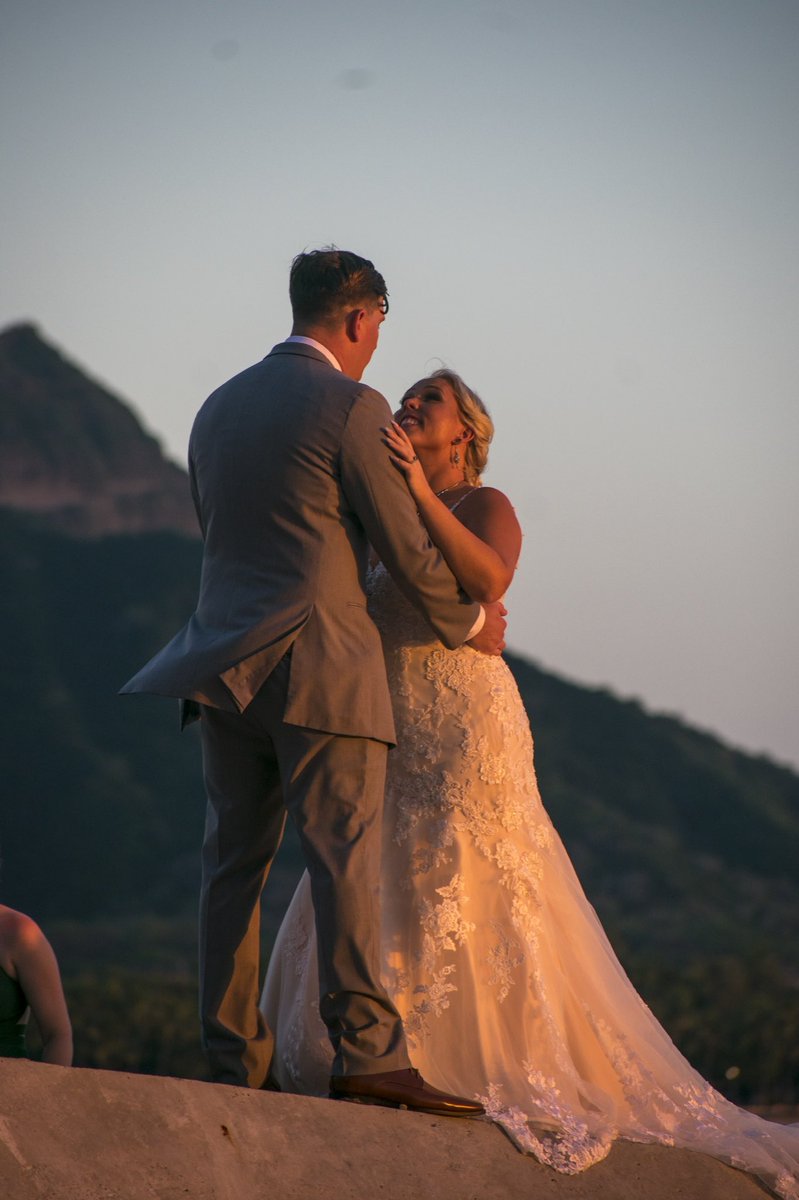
(451, 488)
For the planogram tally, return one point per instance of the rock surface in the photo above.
(68, 1134)
(75, 456)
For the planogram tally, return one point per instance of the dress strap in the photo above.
(461, 499)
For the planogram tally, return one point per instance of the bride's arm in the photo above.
(481, 544)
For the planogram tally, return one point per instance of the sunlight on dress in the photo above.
(508, 987)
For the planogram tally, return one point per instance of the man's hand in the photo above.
(491, 638)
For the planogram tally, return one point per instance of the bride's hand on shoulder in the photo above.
(403, 456)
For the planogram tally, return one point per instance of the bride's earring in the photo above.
(455, 456)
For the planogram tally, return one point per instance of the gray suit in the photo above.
(291, 483)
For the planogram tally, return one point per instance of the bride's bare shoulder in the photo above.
(489, 502)
(490, 496)
(489, 514)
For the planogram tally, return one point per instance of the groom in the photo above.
(292, 483)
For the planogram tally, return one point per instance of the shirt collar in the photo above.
(306, 341)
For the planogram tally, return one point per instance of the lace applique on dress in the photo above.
(505, 956)
(443, 922)
(553, 1134)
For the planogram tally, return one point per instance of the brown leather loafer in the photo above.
(401, 1089)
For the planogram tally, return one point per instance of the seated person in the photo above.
(30, 983)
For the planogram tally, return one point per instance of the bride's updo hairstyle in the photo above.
(475, 417)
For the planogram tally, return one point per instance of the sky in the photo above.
(589, 208)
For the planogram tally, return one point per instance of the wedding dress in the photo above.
(508, 987)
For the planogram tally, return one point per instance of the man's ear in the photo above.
(353, 323)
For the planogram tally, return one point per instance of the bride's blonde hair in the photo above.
(475, 417)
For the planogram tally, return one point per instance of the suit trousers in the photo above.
(256, 769)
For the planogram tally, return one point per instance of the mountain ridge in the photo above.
(74, 455)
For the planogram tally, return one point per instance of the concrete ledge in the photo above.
(68, 1134)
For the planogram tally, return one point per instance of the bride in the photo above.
(508, 988)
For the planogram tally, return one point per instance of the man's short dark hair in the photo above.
(325, 284)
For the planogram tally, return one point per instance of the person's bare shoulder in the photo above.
(19, 931)
(488, 506)
(489, 514)
(19, 936)
(488, 499)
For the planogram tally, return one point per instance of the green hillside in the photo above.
(103, 803)
(685, 845)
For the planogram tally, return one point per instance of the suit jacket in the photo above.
(291, 483)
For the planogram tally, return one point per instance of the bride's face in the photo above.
(429, 414)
